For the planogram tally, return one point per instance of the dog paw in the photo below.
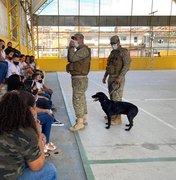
(127, 125)
(107, 127)
(127, 129)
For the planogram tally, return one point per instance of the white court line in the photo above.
(150, 114)
(98, 84)
(153, 99)
(162, 99)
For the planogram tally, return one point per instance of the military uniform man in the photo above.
(79, 56)
(118, 64)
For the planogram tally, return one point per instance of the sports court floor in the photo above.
(148, 151)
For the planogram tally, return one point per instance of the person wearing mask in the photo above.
(79, 57)
(45, 88)
(9, 57)
(14, 68)
(118, 64)
(21, 142)
(39, 82)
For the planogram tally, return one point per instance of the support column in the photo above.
(14, 22)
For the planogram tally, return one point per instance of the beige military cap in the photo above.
(77, 35)
(114, 39)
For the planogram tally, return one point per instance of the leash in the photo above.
(115, 89)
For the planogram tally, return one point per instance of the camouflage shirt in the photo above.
(16, 149)
(126, 60)
(78, 55)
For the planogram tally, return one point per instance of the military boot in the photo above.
(112, 117)
(78, 126)
(116, 120)
(85, 120)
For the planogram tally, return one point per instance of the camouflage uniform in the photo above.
(118, 64)
(78, 67)
(16, 148)
(79, 85)
(115, 90)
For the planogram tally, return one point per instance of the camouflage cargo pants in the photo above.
(79, 85)
(115, 91)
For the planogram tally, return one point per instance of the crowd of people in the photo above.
(25, 131)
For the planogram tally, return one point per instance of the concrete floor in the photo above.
(68, 162)
(148, 151)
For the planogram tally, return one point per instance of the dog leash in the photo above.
(115, 88)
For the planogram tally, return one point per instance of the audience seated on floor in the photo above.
(15, 83)
(45, 116)
(21, 142)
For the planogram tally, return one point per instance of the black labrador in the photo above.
(116, 107)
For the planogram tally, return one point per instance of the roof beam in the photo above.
(45, 20)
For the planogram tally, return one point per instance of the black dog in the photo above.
(116, 107)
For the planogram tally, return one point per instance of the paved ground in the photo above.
(68, 162)
(148, 151)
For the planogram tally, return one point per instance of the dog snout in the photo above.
(94, 96)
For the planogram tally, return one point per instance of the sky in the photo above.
(110, 7)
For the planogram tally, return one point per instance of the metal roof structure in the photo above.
(36, 4)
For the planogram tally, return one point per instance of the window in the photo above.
(136, 39)
(123, 38)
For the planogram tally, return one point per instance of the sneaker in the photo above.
(54, 109)
(57, 123)
(50, 147)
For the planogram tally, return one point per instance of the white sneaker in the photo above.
(57, 123)
(50, 147)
